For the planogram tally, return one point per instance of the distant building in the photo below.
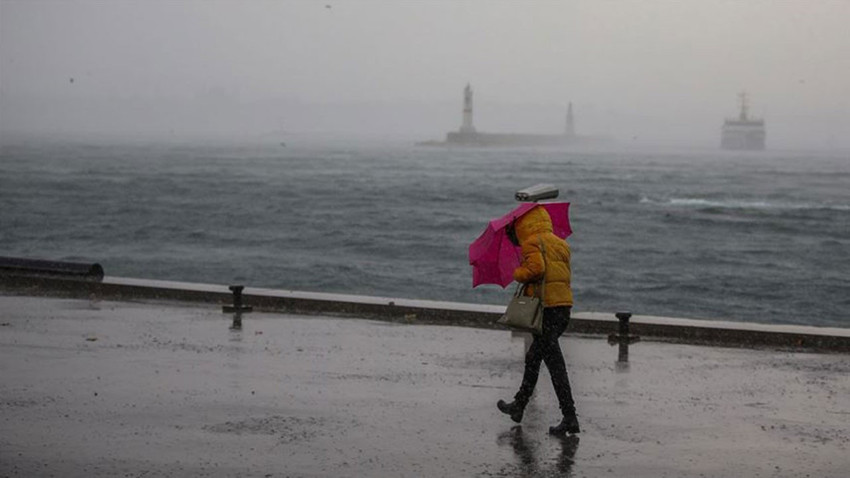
(467, 135)
(743, 132)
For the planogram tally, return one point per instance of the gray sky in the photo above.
(647, 71)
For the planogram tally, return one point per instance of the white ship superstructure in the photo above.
(743, 132)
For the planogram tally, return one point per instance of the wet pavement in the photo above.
(139, 389)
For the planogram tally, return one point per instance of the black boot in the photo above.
(513, 409)
(569, 424)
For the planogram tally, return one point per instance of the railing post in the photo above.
(623, 338)
(237, 308)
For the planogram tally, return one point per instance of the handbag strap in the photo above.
(543, 280)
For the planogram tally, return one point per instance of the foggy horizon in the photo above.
(652, 72)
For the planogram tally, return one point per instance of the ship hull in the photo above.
(743, 136)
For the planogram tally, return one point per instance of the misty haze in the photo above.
(645, 73)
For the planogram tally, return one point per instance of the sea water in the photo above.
(745, 236)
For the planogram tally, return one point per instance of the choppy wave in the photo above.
(760, 239)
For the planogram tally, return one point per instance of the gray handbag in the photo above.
(525, 313)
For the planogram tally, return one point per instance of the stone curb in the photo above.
(703, 332)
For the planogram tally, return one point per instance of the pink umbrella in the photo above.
(492, 256)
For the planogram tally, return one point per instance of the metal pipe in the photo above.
(15, 266)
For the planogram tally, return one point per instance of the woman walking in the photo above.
(533, 233)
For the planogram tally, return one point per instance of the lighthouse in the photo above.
(466, 127)
(467, 135)
(570, 127)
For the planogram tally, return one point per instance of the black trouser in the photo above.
(545, 348)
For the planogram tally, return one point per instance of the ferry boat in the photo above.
(743, 132)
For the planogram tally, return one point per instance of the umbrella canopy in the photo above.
(493, 257)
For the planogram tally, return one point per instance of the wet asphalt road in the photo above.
(140, 390)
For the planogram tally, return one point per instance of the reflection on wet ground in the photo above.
(126, 389)
(528, 460)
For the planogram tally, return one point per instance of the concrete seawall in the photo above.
(706, 332)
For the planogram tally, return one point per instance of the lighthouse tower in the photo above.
(466, 127)
(570, 127)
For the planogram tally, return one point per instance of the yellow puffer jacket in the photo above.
(533, 228)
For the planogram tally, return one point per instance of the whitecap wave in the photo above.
(751, 204)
